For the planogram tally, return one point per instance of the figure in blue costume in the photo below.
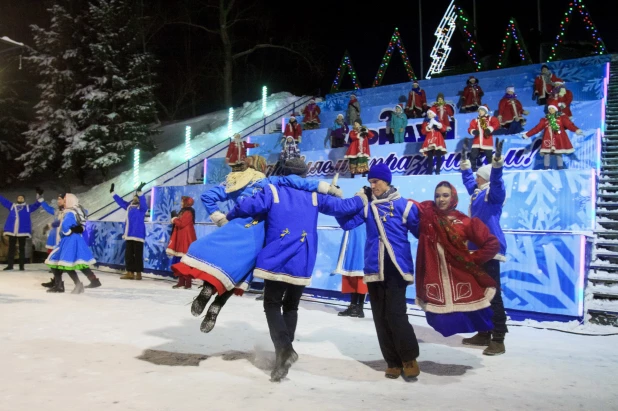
(53, 239)
(72, 252)
(350, 266)
(224, 259)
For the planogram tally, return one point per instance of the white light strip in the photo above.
(264, 100)
(441, 49)
(230, 122)
(136, 168)
(205, 170)
(187, 143)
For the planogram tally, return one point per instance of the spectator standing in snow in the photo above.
(183, 235)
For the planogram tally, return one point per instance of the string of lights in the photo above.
(345, 67)
(513, 35)
(465, 25)
(395, 42)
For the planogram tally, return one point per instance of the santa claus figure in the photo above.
(543, 85)
(444, 112)
(434, 145)
(511, 113)
(482, 129)
(358, 152)
(471, 96)
(555, 139)
(294, 130)
(561, 98)
(237, 152)
(416, 107)
(311, 116)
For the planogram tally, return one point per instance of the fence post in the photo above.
(188, 167)
(264, 125)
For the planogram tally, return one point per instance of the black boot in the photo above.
(347, 312)
(200, 301)
(357, 311)
(94, 283)
(213, 312)
(21, 268)
(57, 288)
(50, 284)
(285, 358)
(8, 268)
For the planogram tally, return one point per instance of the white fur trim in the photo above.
(491, 129)
(406, 211)
(282, 277)
(9, 234)
(339, 270)
(314, 199)
(139, 240)
(68, 233)
(500, 257)
(497, 163)
(173, 253)
(465, 165)
(210, 270)
(216, 216)
(323, 187)
(275, 193)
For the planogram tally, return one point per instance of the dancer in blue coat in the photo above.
(72, 252)
(208, 258)
(488, 195)
(287, 260)
(18, 226)
(134, 232)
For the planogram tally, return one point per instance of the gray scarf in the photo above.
(387, 193)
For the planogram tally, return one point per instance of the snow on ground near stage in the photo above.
(135, 346)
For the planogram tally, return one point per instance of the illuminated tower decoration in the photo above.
(398, 43)
(455, 17)
(136, 168)
(187, 143)
(577, 5)
(513, 35)
(264, 100)
(345, 67)
(230, 122)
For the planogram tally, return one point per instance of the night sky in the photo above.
(333, 27)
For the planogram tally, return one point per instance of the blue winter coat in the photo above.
(291, 243)
(51, 236)
(399, 121)
(135, 228)
(390, 236)
(486, 204)
(72, 252)
(18, 223)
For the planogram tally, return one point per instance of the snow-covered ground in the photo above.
(135, 346)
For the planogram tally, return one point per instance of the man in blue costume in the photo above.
(287, 260)
(488, 195)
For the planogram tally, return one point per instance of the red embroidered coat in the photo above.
(183, 234)
(444, 114)
(484, 141)
(311, 112)
(237, 152)
(543, 88)
(416, 101)
(508, 109)
(472, 96)
(434, 139)
(444, 288)
(555, 142)
(293, 130)
(359, 146)
(563, 103)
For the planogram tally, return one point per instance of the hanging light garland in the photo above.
(464, 24)
(578, 5)
(513, 35)
(394, 42)
(345, 66)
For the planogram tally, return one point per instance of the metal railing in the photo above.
(186, 167)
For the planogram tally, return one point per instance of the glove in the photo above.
(499, 145)
(174, 213)
(579, 132)
(475, 133)
(141, 186)
(523, 135)
(335, 191)
(368, 192)
(77, 229)
(486, 132)
(464, 149)
(39, 191)
(525, 112)
(111, 190)
(218, 218)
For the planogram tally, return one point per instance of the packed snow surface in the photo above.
(133, 345)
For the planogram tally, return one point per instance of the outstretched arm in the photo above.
(299, 183)
(338, 207)
(488, 245)
(120, 201)
(497, 190)
(260, 203)
(48, 208)
(142, 202)
(468, 176)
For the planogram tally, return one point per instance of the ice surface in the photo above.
(135, 346)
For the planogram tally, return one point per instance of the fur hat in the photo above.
(188, 201)
(484, 172)
(476, 81)
(381, 172)
(295, 166)
(398, 106)
(292, 118)
(552, 106)
(339, 115)
(484, 108)
(510, 88)
(415, 81)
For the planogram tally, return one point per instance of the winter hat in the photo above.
(440, 96)
(414, 82)
(484, 108)
(188, 201)
(352, 95)
(511, 88)
(559, 82)
(339, 115)
(484, 172)
(399, 106)
(295, 166)
(433, 114)
(312, 101)
(381, 172)
(476, 81)
(544, 66)
(62, 195)
(552, 106)
(292, 118)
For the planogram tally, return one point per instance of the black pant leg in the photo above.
(22, 251)
(430, 161)
(12, 247)
(439, 161)
(474, 153)
(73, 276)
(139, 257)
(492, 268)
(377, 298)
(273, 301)
(128, 256)
(488, 156)
(291, 299)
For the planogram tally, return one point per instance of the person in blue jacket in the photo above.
(208, 258)
(72, 252)
(399, 122)
(18, 226)
(134, 232)
(288, 257)
(488, 195)
(389, 269)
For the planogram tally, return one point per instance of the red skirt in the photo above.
(433, 141)
(183, 269)
(353, 285)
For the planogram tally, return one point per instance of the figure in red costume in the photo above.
(471, 97)
(183, 235)
(434, 145)
(416, 107)
(482, 129)
(358, 153)
(555, 139)
(311, 115)
(444, 112)
(543, 85)
(561, 98)
(511, 113)
(237, 152)
(294, 130)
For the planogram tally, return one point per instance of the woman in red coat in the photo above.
(555, 139)
(471, 96)
(444, 112)
(358, 153)
(451, 286)
(294, 130)
(416, 106)
(511, 112)
(561, 98)
(311, 115)
(183, 234)
(434, 144)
